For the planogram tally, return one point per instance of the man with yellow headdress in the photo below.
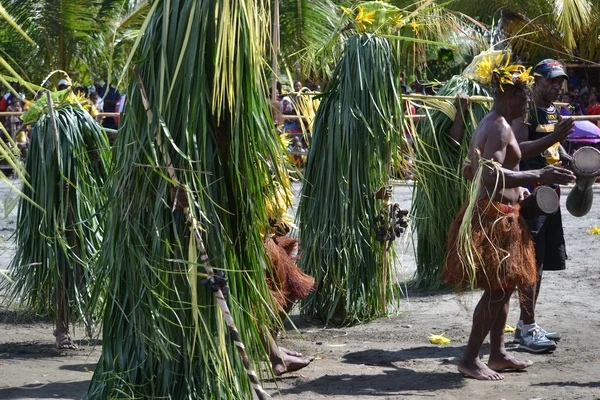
(489, 243)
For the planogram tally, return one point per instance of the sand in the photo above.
(390, 358)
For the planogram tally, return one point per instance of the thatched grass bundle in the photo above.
(211, 139)
(440, 189)
(350, 154)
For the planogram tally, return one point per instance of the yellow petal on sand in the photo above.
(595, 230)
(509, 329)
(438, 339)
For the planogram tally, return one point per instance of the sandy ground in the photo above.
(390, 358)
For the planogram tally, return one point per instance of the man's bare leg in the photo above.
(283, 360)
(527, 300)
(63, 339)
(484, 316)
(499, 358)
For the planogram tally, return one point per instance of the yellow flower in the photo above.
(415, 27)
(595, 230)
(483, 70)
(397, 20)
(439, 339)
(363, 18)
(526, 77)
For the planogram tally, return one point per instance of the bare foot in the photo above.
(290, 352)
(503, 360)
(63, 340)
(289, 361)
(478, 370)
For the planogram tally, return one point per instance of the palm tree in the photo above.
(79, 37)
(539, 29)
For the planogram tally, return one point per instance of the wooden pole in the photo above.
(275, 50)
(582, 117)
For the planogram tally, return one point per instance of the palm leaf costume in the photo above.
(440, 189)
(353, 134)
(210, 137)
(59, 223)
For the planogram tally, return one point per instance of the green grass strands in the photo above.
(440, 189)
(212, 138)
(348, 163)
(59, 228)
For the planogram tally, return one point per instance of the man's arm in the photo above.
(565, 158)
(495, 150)
(457, 130)
(531, 148)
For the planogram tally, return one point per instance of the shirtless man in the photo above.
(497, 228)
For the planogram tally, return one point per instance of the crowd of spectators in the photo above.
(582, 98)
(293, 124)
(96, 99)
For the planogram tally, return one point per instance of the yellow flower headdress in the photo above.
(498, 66)
(375, 17)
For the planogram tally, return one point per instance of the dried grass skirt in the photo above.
(503, 250)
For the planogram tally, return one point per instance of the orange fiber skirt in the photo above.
(502, 248)
(286, 281)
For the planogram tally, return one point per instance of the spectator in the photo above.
(81, 91)
(594, 107)
(111, 97)
(16, 88)
(572, 106)
(287, 106)
(14, 123)
(584, 101)
(297, 86)
(583, 88)
(63, 84)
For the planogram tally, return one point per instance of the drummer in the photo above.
(540, 143)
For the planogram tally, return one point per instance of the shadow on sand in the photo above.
(32, 350)
(391, 382)
(63, 390)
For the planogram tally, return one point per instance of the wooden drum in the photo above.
(543, 201)
(586, 166)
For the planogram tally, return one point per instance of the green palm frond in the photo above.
(572, 19)
(309, 30)
(70, 35)
(553, 28)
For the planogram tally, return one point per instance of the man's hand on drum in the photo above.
(556, 174)
(563, 129)
(523, 192)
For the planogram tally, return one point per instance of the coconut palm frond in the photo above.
(572, 19)
(67, 35)
(309, 31)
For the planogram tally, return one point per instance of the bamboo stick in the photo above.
(19, 113)
(582, 117)
(476, 99)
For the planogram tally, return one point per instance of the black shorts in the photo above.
(549, 239)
